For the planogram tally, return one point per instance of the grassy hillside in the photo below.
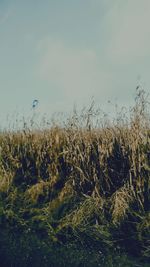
(77, 196)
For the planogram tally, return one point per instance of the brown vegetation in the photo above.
(78, 185)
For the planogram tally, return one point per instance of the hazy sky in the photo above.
(63, 52)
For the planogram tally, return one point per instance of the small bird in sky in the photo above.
(35, 103)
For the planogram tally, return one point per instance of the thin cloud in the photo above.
(111, 69)
(72, 70)
(6, 15)
(127, 28)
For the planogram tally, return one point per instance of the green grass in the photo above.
(77, 195)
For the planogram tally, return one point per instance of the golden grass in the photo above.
(83, 177)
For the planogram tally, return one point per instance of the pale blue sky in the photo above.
(63, 52)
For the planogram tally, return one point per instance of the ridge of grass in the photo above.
(77, 196)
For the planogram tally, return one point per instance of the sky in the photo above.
(66, 52)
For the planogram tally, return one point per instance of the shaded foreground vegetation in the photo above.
(77, 196)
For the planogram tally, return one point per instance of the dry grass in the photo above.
(90, 180)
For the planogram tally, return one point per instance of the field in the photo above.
(78, 194)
